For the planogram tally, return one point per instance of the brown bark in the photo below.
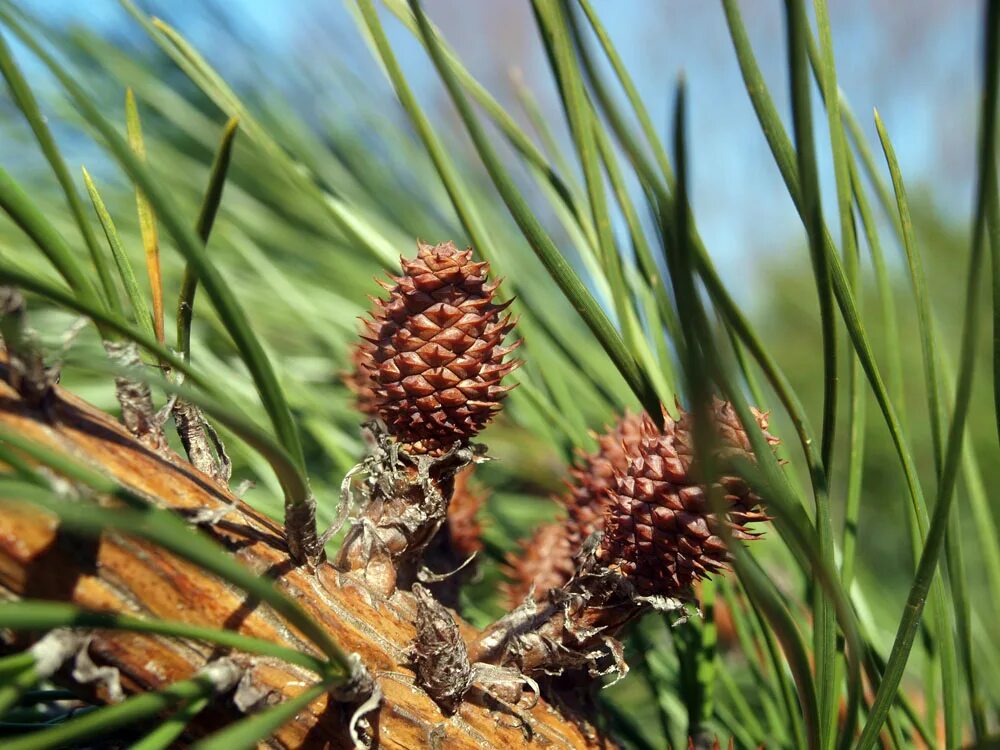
(115, 573)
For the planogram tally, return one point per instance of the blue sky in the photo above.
(916, 61)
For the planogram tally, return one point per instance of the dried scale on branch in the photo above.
(429, 371)
(656, 537)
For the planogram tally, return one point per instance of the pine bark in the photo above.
(38, 560)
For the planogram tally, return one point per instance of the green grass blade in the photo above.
(953, 448)
(17, 675)
(644, 253)
(203, 228)
(887, 298)
(698, 693)
(140, 310)
(249, 732)
(918, 280)
(166, 735)
(147, 216)
(824, 628)
(133, 710)
(579, 116)
(856, 438)
(540, 124)
(957, 576)
(766, 600)
(33, 223)
(584, 125)
(631, 93)
(871, 171)
(849, 249)
(26, 102)
(986, 526)
(993, 225)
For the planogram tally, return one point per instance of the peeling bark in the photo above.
(115, 573)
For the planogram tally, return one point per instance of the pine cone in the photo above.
(433, 350)
(660, 532)
(543, 560)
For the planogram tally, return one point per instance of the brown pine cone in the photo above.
(660, 532)
(434, 351)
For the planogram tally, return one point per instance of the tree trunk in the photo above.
(127, 575)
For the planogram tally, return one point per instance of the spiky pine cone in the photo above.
(434, 350)
(542, 562)
(660, 531)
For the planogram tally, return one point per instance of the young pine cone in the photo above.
(660, 532)
(659, 537)
(433, 352)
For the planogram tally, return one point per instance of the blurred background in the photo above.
(914, 61)
(307, 74)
